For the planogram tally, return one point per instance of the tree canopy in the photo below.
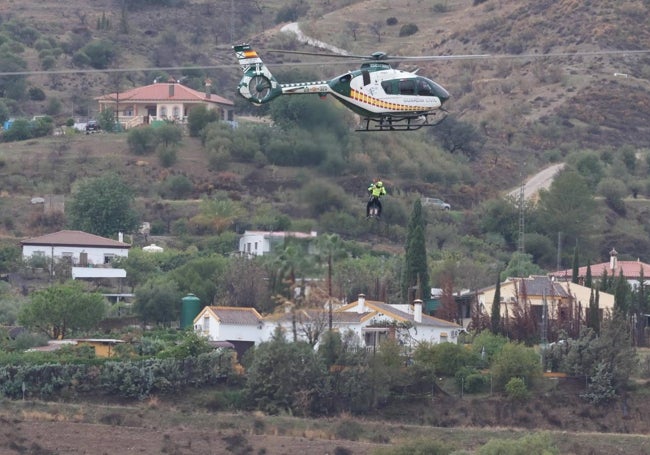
(61, 309)
(103, 206)
(416, 272)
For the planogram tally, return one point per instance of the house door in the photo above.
(151, 112)
(83, 259)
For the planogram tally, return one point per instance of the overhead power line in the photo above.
(350, 60)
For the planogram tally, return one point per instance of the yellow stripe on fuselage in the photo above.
(365, 98)
(250, 54)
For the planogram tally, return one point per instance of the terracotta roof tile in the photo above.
(388, 309)
(630, 269)
(237, 315)
(161, 92)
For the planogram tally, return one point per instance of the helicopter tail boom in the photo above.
(258, 84)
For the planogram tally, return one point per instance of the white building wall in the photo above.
(95, 255)
(254, 245)
(242, 333)
(210, 327)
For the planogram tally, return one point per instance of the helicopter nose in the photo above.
(442, 94)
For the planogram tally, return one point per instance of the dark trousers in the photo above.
(373, 201)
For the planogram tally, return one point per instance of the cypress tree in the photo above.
(574, 272)
(621, 290)
(597, 305)
(588, 278)
(416, 270)
(604, 281)
(495, 318)
(593, 320)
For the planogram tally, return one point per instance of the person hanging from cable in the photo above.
(376, 190)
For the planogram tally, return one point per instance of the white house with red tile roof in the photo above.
(259, 243)
(171, 101)
(243, 327)
(371, 322)
(407, 323)
(631, 270)
(89, 254)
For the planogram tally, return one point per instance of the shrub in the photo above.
(601, 388)
(36, 94)
(167, 155)
(440, 8)
(141, 141)
(349, 430)
(408, 30)
(516, 390)
(515, 361)
(421, 447)
(531, 444)
(391, 21)
(177, 187)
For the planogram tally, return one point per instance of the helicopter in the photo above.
(386, 99)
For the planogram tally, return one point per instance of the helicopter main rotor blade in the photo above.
(381, 56)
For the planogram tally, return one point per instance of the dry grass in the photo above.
(87, 426)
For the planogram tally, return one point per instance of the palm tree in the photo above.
(329, 247)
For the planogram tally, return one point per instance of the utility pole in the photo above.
(522, 220)
(559, 251)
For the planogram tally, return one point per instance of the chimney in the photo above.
(120, 237)
(417, 310)
(361, 304)
(612, 259)
(172, 82)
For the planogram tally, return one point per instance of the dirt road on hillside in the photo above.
(541, 180)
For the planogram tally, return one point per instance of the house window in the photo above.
(108, 258)
(176, 112)
(163, 111)
(206, 324)
(38, 253)
(443, 337)
(67, 257)
(128, 112)
(255, 247)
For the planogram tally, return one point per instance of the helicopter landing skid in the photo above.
(401, 124)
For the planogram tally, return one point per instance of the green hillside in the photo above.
(508, 118)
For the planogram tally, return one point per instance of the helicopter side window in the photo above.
(389, 88)
(407, 87)
(424, 89)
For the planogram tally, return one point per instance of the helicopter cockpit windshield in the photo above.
(419, 86)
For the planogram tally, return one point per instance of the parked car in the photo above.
(92, 127)
(436, 203)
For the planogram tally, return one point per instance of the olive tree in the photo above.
(61, 309)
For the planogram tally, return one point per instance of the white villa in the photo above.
(259, 243)
(370, 321)
(90, 255)
(167, 101)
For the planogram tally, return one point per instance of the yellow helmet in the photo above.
(379, 184)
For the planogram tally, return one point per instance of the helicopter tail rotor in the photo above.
(258, 85)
